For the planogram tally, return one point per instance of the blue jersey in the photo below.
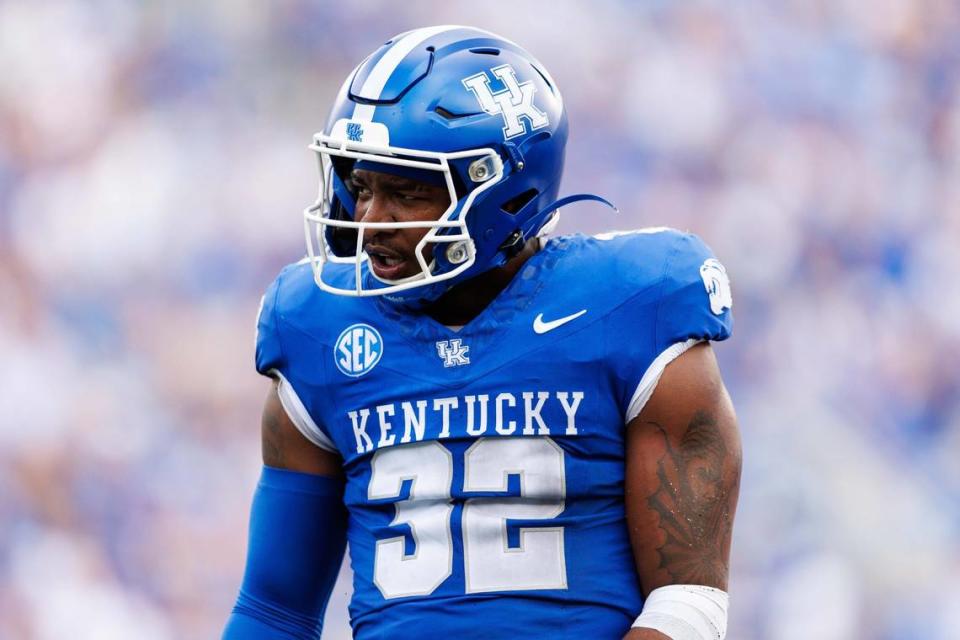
(485, 466)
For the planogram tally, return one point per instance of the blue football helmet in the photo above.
(454, 106)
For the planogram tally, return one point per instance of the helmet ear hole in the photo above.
(514, 204)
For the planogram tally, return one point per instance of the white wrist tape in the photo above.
(686, 612)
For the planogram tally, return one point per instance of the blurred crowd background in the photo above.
(153, 167)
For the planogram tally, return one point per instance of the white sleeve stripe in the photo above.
(299, 415)
(652, 376)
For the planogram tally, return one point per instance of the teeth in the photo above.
(389, 261)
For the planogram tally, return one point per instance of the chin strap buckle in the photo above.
(513, 244)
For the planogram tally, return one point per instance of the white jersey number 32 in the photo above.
(490, 563)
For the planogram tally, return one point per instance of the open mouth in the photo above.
(386, 264)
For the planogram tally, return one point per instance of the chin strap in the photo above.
(515, 242)
(577, 197)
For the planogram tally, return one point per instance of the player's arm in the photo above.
(682, 482)
(297, 536)
(284, 447)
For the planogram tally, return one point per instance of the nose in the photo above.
(374, 208)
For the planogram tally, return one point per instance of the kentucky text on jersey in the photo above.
(504, 414)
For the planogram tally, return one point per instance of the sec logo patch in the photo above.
(359, 349)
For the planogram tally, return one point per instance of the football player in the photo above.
(518, 437)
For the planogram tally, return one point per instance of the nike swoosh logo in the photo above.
(542, 327)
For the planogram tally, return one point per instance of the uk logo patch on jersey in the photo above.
(453, 352)
(512, 103)
(717, 284)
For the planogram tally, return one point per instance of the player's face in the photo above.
(386, 198)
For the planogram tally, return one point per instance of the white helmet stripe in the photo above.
(387, 64)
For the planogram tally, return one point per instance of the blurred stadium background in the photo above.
(153, 167)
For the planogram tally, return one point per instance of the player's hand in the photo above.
(644, 634)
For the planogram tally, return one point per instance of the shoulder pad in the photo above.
(695, 298)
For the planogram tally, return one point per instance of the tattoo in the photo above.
(271, 438)
(695, 501)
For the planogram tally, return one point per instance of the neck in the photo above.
(464, 302)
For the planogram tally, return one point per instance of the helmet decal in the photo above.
(388, 62)
(512, 103)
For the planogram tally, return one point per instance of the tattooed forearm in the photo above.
(695, 498)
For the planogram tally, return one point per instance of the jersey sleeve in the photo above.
(695, 299)
(693, 305)
(272, 360)
(269, 352)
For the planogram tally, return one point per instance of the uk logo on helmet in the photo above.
(512, 103)
(359, 349)
(354, 132)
